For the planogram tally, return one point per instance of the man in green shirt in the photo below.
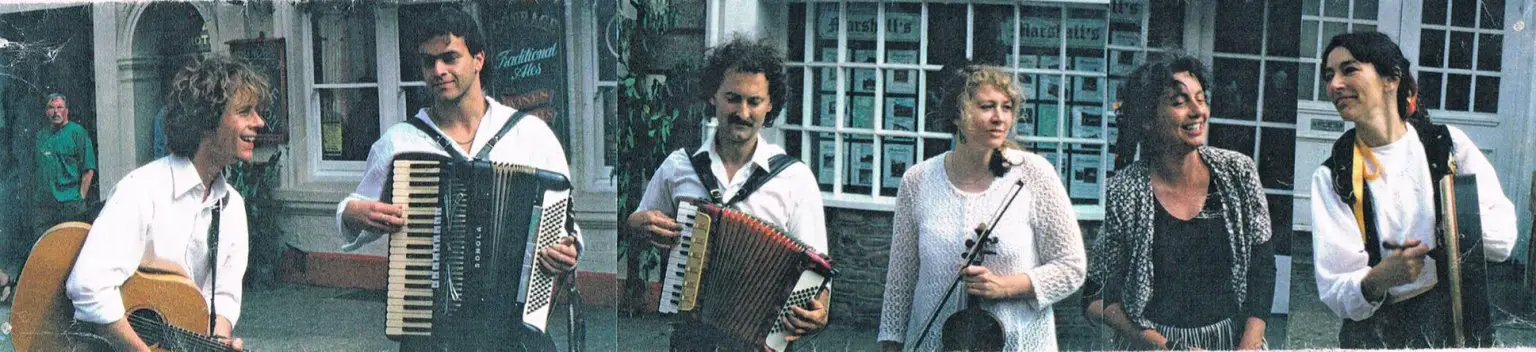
(66, 165)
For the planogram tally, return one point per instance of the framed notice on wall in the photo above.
(267, 56)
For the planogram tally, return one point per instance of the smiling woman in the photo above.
(1186, 259)
(1374, 209)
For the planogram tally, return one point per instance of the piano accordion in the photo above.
(738, 276)
(463, 264)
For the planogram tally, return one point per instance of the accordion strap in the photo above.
(485, 152)
(776, 164)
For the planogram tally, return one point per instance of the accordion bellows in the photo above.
(739, 275)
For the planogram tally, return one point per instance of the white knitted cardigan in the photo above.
(1038, 236)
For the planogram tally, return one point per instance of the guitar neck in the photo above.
(172, 338)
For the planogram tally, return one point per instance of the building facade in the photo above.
(860, 74)
(341, 75)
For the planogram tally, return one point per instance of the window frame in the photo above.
(1258, 124)
(877, 133)
(390, 90)
(585, 154)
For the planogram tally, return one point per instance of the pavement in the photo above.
(1313, 325)
(291, 317)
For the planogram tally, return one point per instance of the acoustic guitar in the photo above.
(166, 310)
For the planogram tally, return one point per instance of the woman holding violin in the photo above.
(1185, 260)
(1036, 258)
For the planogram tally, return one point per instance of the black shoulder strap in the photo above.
(1437, 147)
(432, 132)
(700, 161)
(213, 262)
(1341, 163)
(776, 164)
(485, 152)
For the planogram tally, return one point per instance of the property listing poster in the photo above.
(826, 153)
(1026, 124)
(861, 163)
(826, 110)
(1087, 121)
(828, 79)
(901, 56)
(900, 114)
(862, 111)
(1084, 178)
(1046, 120)
(898, 157)
(901, 81)
(1050, 87)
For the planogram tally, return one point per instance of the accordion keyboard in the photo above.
(678, 279)
(413, 261)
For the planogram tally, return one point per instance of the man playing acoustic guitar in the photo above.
(162, 215)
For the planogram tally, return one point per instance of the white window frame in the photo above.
(391, 95)
(1198, 39)
(586, 160)
(584, 52)
(1319, 100)
(876, 133)
(1263, 58)
(1415, 25)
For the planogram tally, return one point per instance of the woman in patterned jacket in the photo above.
(1039, 256)
(1185, 259)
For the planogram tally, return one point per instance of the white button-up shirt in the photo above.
(1404, 210)
(159, 212)
(791, 200)
(529, 143)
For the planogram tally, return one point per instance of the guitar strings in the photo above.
(198, 339)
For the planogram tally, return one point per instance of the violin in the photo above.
(974, 329)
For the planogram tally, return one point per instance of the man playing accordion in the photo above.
(451, 53)
(735, 167)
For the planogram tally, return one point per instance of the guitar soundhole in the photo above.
(150, 326)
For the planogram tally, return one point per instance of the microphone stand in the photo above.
(983, 237)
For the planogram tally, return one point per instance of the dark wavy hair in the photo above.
(747, 56)
(1143, 92)
(199, 95)
(449, 20)
(1380, 51)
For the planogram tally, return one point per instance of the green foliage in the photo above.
(255, 182)
(653, 103)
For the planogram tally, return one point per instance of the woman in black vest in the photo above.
(1185, 259)
(1374, 264)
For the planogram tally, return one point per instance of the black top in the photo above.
(1192, 269)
